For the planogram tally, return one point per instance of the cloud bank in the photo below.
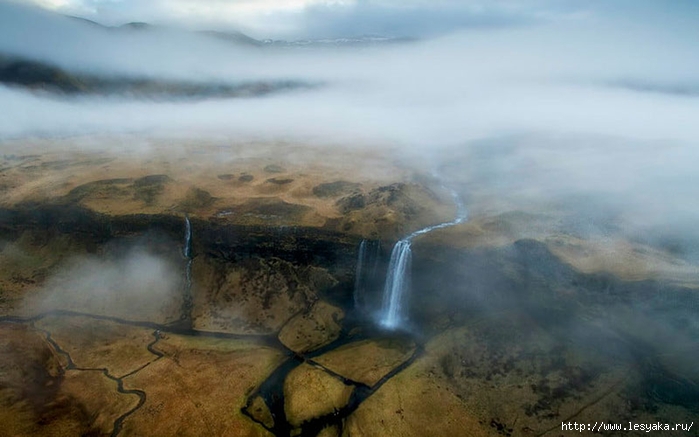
(556, 102)
(137, 286)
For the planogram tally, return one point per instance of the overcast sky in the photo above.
(332, 18)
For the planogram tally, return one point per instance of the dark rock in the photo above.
(154, 179)
(336, 188)
(148, 188)
(105, 187)
(351, 203)
(278, 181)
(274, 168)
(197, 198)
(272, 211)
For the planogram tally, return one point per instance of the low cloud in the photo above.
(136, 285)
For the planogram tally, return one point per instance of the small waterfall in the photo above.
(187, 254)
(358, 275)
(397, 287)
(187, 249)
(366, 272)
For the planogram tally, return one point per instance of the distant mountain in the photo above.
(235, 37)
(367, 40)
(686, 89)
(136, 25)
(39, 76)
(85, 21)
(243, 39)
(229, 36)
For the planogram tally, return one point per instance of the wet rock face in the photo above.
(247, 279)
(254, 295)
(301, 246)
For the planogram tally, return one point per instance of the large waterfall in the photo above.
(397, 288)
(397, 284)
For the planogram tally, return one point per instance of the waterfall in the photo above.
(397, 284)
(187, 254)
(187, 249)
(366, 272)
(358, 275)
(397, 287)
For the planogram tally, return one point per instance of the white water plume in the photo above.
(187, 253)
(398, 277)
(359, 273)
(187, 249)
(397, 284)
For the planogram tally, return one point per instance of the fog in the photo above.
(543, 103)
(134, 285)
